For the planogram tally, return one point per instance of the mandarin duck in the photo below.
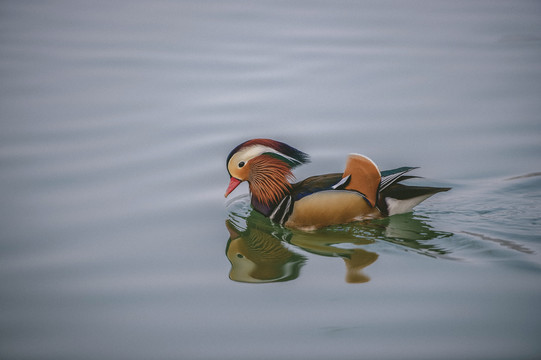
(361, 192)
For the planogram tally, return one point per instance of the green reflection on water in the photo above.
(260, 251)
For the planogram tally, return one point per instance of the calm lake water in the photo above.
(116, 120)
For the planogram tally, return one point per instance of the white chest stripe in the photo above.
(282, 210)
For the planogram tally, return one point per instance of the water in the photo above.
(116, 118)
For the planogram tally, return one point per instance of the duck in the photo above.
(361, 192)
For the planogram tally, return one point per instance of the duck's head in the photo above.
(266, 164)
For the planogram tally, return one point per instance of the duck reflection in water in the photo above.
(257, 256)
(260, 251)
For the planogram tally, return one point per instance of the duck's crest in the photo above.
(288, 154)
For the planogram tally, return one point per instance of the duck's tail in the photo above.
(395, 198)
(383, 189)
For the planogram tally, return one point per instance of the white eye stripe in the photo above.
(256, 150)
(253, 151)
(247, 154)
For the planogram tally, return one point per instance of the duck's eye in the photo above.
(241, 164)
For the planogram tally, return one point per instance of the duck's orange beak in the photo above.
(233, 183)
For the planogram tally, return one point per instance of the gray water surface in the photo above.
(116, 120)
